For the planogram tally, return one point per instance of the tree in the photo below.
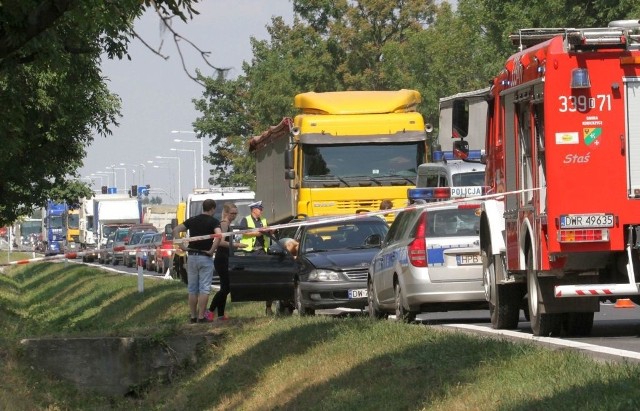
(53, 94)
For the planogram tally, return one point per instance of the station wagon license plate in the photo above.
(586, 220)
(359, 293)
(468, 259)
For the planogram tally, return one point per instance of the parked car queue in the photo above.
(427, 261)
(139, 245)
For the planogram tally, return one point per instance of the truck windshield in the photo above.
(55, 221)
(475, 178)
(380, 163)
(30, 227)
(195, 208)
(73, 221)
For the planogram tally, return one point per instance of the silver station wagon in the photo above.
(429, 261)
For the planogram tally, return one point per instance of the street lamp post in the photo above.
(179, 185)
(195, 178)
(113, 166)
(100, 177)
(201, 141)
(166, 166)
(113, 173)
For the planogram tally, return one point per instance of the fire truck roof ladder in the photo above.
(619, 34)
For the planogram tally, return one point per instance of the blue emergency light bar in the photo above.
(448, 155)
(429, 194)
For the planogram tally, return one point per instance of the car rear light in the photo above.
(417, 249)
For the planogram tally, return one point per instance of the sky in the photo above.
(157, 96)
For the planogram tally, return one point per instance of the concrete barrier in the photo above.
(114, 365)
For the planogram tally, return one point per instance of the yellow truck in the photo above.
(344, 153)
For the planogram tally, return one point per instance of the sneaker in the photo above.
(204, 320)
(194, 320)
(209, 315)
(223, 318)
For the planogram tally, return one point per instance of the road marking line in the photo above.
(551, 341)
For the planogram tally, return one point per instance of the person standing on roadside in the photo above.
(256, 241)
(199, 262)
(221, 261)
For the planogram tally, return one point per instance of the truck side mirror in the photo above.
(460, 121)
(288, 159)
(461, 149)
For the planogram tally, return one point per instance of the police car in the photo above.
(466, 178)
(429, 261)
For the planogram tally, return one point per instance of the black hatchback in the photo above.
(330, 270)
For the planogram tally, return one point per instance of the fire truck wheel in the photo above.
(503, 300)
(578, 324)
(541, 324)
(402, 314)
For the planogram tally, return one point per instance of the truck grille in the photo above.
(357, 204)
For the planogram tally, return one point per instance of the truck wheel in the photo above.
(372, 308)
(503, 301)
(541, 324)
(303, 310)
(578, 324)
(402, 314)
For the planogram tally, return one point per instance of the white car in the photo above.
(429, 261)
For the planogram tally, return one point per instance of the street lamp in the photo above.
(100, 177)
(113, 173)
(195, 179)
(166, 166)
(201, 141)
(113, 166)
(179, 186)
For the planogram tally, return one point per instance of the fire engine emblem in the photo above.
(591, 135)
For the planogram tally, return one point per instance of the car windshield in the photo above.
(121, 235)
(453, 222)
(350, 234)
(136, 237)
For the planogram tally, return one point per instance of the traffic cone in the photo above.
(624, 303)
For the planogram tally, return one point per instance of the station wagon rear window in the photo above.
(456, 222)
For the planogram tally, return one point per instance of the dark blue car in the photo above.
(330, 270)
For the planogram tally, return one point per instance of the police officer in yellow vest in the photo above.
(257, 242)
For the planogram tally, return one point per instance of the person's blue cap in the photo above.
(257, 204)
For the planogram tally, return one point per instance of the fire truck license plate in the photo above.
(586, 220)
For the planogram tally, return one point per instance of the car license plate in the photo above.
(470, 191)
(468, 259)
(586, 220)
(359, 293)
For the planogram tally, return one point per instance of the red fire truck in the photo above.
(563, 145)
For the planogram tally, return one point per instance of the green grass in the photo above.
(309, 363)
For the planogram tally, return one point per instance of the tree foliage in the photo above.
(336, 45)
(53, 94)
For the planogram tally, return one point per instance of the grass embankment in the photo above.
(311, 363)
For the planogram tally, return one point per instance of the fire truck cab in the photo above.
(562, 145)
